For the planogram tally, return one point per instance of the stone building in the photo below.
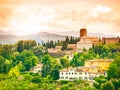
(86, 42)
(72, 47)
(110, 40)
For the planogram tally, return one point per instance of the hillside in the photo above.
(39, 37)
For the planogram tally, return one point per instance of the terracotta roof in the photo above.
(100, 60)
(58, 47)
(71, 44)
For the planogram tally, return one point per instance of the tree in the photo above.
(64, 46)
(14, 72)
(46, 61)
(20, 46)
(6, 51)
(71, 40)
(51, 44)
(108, 86)
(38, 50)
(36, 79)
(7, 66)
(30, 62)
(67, 39)
(99, 81)
(114, 67)
(55, 71)
(2, 63)
(74, 61)
(65, 62)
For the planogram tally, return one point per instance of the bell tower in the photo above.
(83, 32)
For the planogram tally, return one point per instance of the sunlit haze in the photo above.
(24, 17)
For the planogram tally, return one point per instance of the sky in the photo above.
(22, 17)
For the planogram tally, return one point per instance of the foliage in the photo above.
(36, 79)
(38, 50)
(46, 61)
(114, 67)
(14, 72)
(99, 81)
(55, 71)
(65, 62)
(25, 45)
(107, 86)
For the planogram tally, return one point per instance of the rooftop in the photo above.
(100, 60)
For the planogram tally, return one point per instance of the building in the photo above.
(80, 73)
(83, 32)
(86, 42)
(92, 69)
(72, 47)
(110, 40)
(58, 48)
(37, 68)
(103, 64)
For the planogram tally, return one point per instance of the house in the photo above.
(74, 73)
(72, 47)
(92, 69)
(103, 64)
(37, 68)
(58, 48)
(55, 50)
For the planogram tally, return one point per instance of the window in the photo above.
(80, 77)
(85, 78)
(80, 73)
(62, 73)
(69, 73)
(66, 73)
(72, 73)
(66, 77)
(85, 72)
(75, 73)
(62, 77)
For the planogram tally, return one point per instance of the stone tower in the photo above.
(83, 32)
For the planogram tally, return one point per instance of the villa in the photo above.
(92, 69)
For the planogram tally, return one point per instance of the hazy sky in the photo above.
(23, 17)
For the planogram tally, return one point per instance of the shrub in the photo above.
(108, 86)
(64, 87)
(63, 82)
(36, 79)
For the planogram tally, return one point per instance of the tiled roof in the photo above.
(100, 60)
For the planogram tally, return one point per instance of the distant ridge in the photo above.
(44, 36)
(76, 34)
(39, 37)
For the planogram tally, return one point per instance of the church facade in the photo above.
(85, 41)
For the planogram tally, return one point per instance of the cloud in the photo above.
(60, 14)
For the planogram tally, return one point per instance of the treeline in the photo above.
(7, 49)
(63, 43)
(25, 45)
(106, 50)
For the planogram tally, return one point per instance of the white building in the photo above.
(82, 72)
(37, 68)
(84, 43)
